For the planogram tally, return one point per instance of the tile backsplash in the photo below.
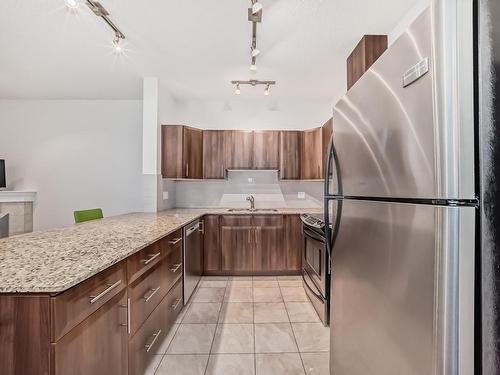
(269, 192)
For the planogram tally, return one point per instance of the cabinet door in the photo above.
(237, 243)
(212, 258)
(266, 149)
(290, 154)
(213, 154)
(293, 242)
(269, 253)
(171, 151)
(238, 149)
(98, 345)
(326, 136)
(312, 154)
(193, 153)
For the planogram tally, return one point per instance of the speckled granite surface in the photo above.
(55, 260)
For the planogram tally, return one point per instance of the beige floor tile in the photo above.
(312, 337)
(267, 295)
(209, 295)
(236, 312)
(240, 283)
(193, 339)
(274, 338)
(294, 295)
(290, 283)
(153, 365)
(290, 277)
(265, 284)
(234, 338)
(302, 312)
(264, 278)
(213, 283)
(163, 346)
(181, 314)
(234, 294)
(267, 312)
(231, 364)
(215, 278)
(241, 278)
(183, 365)
(316, 363)
(279, 364)
(207, 312)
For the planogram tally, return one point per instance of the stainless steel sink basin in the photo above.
(254, 210)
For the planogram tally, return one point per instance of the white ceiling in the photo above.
(195, 47)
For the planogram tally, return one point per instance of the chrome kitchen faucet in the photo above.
(251, 199)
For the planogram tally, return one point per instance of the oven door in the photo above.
(315, 259)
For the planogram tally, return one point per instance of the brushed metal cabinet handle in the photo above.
(151, 258)
(176, 267)
(175, 242)
(110, 287)
(187, 169)
(152, 293)
(155, 337)
(176, 304)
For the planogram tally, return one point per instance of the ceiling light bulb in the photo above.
(116, 44)
(266, 92)
(256, 7)
(253, 68)
(71, 4)
(255, 52)
(237, 91)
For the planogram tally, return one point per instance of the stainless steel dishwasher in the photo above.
(193, 253)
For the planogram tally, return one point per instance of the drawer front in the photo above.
(142, 261)
(146, 342)
(74, 305)
(175, 266)
(172, 242)
(146, 293)
(96, 346)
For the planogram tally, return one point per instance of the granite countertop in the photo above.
(54, 260)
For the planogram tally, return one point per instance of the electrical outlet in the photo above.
(165, 195)
(250, 179)
(301, 195)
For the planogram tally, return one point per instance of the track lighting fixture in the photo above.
(72, 4)
(253, 82)
(255, 52)
(256, 7)
(116, 44)
(253, 67)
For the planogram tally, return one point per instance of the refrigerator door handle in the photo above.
(332, 156)
(331, 234)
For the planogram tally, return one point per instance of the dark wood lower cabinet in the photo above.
(98, 345)
(293, 242)
(212, 257)
(269, 252)
(237, 244)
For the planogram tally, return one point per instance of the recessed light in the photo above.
(72, 4)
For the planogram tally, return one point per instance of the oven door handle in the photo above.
(318, 296)
(312, 235)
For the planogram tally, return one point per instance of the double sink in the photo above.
(252, 210)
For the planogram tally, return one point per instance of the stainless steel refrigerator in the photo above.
(401, 206)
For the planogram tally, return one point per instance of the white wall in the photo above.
(76, 154)
(407, 20)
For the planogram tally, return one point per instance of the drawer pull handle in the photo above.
(152, 293)
(176, 304)
(176, 241)
(155, 337)
(110, 287)
(176, 267)
(151, 258)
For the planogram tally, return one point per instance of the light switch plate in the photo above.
(301, 195)
(165, 195)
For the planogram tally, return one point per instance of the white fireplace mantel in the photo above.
(12, 196)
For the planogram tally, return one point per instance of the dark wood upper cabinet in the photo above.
(269, 252)
(238, 149)
(212, 258)
(290, 155)
(213, 154)
(182, 152)
(368, 50)
(326, 136)
(266, 149)
(312, 154)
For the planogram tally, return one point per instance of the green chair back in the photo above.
(87, 215)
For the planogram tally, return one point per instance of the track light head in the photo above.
(266, 91)
(255, 52)
(72, 4)
(253, 67)
(256, 7)
(116, 45)
(237, 91)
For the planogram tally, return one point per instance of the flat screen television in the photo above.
(3, 182)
